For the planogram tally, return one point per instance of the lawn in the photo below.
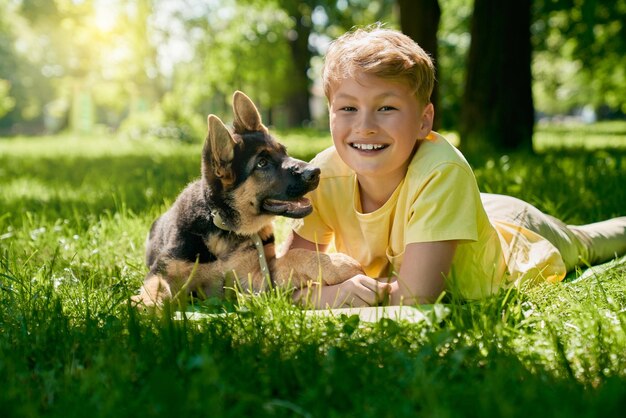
(74, 213)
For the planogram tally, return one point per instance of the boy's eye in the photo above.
(348, 109)
(387, 108)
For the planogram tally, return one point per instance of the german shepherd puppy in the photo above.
(205, 241)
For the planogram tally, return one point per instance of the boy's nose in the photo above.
(366, 126)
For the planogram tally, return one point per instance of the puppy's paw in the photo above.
(145, 301)
(339, 268)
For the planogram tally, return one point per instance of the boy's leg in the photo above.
(578, 245)
(602, 240)
(519, 212)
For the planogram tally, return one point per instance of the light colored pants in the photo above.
(579, 245)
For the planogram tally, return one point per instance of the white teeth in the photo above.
(368, 147)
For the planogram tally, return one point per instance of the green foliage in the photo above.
(25, 88)
(453, 42)
(165, 121)
(304, 143)
(186, 59)
(579, 55)
(236, 48)
(7, 103)
(75, 214)
(52, 51)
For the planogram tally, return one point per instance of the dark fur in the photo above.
(247, 179)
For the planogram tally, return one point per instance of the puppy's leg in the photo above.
(163, 282)
(300, 267)
(154, 291)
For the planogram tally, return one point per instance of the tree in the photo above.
(579, 55)
(322, 18)
(7, 103)
(235, 47)
(23, 86)
(420, 21)
(301, 54)
(336, 18)
(93, 53)
(497, 108)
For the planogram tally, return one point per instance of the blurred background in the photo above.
(144, 68)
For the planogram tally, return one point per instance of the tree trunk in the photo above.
(298, 100)
(497, 109)
(419, 19)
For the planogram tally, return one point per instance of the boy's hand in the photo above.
(360, 291)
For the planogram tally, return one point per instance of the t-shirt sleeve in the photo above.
(444, 206)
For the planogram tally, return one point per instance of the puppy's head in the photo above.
(251, 173)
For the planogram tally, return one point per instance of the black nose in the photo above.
(311, 174)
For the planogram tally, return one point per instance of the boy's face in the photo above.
(375, 123)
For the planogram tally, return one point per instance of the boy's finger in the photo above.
(375, 285)
(372, 291)
(356, 302)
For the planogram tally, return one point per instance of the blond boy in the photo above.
(404, 202)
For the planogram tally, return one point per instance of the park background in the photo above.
(103, 108)
(156, 68)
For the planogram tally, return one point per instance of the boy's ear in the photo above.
(426, 121)
(247, 117)
(219, 151)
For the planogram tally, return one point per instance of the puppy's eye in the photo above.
(262, 163)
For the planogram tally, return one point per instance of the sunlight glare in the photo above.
(105, 19)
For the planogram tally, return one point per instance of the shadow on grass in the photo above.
(78, 186)
(573, 184)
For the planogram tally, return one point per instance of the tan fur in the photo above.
(299, 267)
(266, 232)
(207, 278)
(222, 151)
(296, 269)
(154, 291)
(247, 117)
(220, 247)
(246, 206)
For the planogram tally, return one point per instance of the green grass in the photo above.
(74, 213)
(606, 134)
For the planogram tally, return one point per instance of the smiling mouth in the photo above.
(368, 147)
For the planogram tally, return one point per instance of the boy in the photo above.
(404, 202)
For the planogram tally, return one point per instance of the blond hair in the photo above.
(382, 52)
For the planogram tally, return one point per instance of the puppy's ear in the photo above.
(218, 151)
(247, 117)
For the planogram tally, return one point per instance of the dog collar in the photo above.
(217, 220)
(256, 239)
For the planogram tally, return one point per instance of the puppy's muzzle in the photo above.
(306, 173)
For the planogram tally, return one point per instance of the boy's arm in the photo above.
(421, 277)
(357, 291)
(420, 280)
(294, 240)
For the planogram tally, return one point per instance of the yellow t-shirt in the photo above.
(437, 200)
